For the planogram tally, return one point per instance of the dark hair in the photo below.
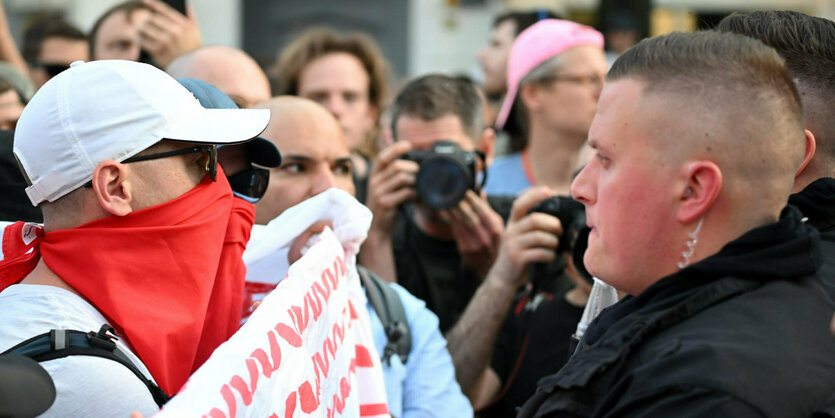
(322, 41)
(523, 20)
(433, 96)
(807, 44)
(128, 7)
(43, 29)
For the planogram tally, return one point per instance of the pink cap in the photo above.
(537, 44)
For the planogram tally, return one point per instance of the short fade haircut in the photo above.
(522, 20)
(433, 96)
(807, 44)
(318, 42)
(46, 28)
(128, 7)
(737, 84)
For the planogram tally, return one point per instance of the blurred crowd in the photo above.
(605, 226)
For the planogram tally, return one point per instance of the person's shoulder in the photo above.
(94, 386)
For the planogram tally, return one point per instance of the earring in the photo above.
(691, 245)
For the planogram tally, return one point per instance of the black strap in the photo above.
(59, 343)
(386, 302)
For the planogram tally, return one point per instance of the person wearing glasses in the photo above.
(555, 73)
(317, 158)
(152, 248)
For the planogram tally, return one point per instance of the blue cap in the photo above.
(259, 150)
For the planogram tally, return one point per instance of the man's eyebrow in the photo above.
(296, 157)
(345, 160)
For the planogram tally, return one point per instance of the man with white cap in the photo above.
(554, 76)
(137, 219)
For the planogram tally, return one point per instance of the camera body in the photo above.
(574, 238)
(446, 173)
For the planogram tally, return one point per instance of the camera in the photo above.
(446, 173)
(574, 238)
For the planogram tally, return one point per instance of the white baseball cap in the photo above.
(113, 109)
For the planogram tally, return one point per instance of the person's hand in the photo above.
(168, 33)
(528, 238)
(477, 230)
(302, 242)
(391, 182)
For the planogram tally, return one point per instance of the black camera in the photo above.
(574, 238)
(446, 173)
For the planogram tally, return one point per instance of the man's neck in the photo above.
(553, 156)
(44, 276)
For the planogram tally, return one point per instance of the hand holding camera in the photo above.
(530, 237)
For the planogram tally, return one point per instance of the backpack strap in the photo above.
(386, 302)
(59, 343)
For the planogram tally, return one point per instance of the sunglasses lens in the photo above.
(251, 183)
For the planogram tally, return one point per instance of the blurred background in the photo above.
(417, 36)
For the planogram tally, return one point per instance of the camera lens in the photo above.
(442, 182)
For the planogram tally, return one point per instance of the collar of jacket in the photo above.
(786, 250)
(817, 201)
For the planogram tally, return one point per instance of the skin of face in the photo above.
(10, 109)
(315, 157)
(628, 189)
(338, 81)
(493, 58)
(164, 179)
(118, 36)
(568, 104)
(58, 51)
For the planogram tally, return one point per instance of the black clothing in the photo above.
(432, 269)
(742, 333)
(14, 204)
(533, 343)
(817, 201)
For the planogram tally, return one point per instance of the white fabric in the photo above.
(601, 297)
(307, 350)
(86, 386)
(113, 109)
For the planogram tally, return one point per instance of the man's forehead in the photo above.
(423, 133)
(338, 70)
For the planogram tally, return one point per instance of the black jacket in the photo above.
(817, 201)
(743, 333)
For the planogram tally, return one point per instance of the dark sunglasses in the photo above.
(251, 184)
(50, 68)
(211, 161)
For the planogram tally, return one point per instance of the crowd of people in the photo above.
(693, 176)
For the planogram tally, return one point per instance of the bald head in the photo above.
(229, 69)
(315, 155)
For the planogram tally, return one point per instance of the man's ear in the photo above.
(487, 144)
(113, 190)
(529, 95)
(702, 185)
(811, 146)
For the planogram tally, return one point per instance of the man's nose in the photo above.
(323, 180)
(581, 189)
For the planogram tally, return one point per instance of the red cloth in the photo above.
(161, 276)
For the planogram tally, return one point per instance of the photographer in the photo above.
(441, 254)
(507, 340)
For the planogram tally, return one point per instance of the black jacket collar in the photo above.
(817, 201)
